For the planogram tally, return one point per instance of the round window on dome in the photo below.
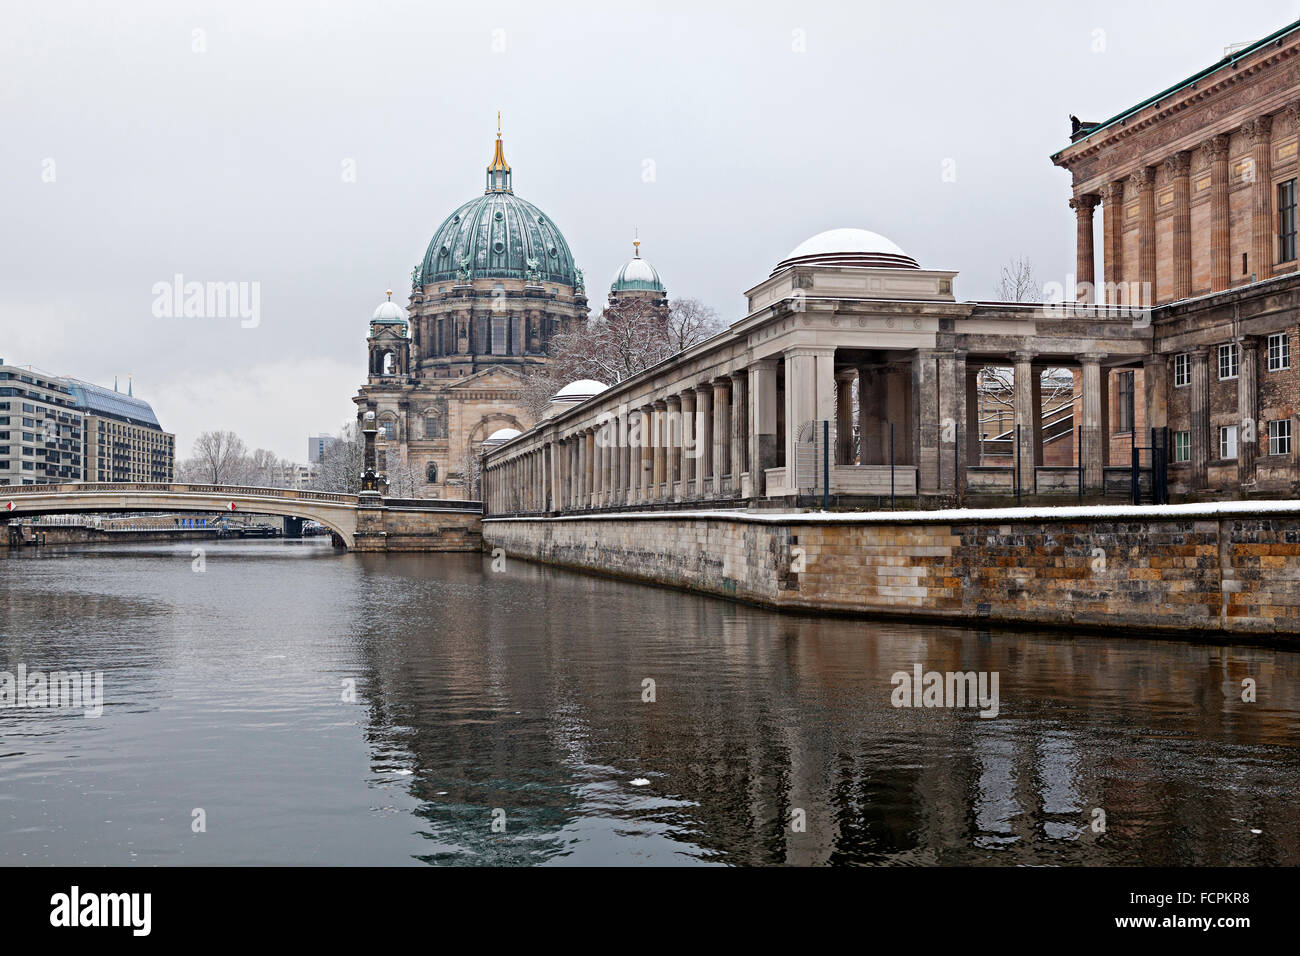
(456, 218)
(554, 252)
(444, 251)
(498, 247)
(498, 215)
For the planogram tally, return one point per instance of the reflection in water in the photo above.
(519, 695)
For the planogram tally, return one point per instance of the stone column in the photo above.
(873, 442)
(1146, 178)
(635, 439)
(586, 451)
(721, 434)
(597, 467)
(704, 436)
(1260, 131)
(648, 440)
(844, 382)
(952, 420)
(673, 433)
(973, 426)
(556, 478)
(690, 448)
(1217, 148)
(1113, 241)
(763, 451)
(660, 457)
(1094, 425)
(1248, 437)
(1199, 409)
(1179, 166)
(925, 433)
(1085, 280)
(1029, 415)
(739, 438)
(624, 458)
(575, 471)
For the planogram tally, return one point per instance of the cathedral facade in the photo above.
(497, 283)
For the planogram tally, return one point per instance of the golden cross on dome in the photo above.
(636, 242)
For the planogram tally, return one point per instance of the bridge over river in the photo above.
(365, 522)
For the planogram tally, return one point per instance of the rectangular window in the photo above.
(1125, 402)
(1228, 360)
(1279, 351)
(1286, 221)
(1228, 442)
(1279, 437)
(1182, 446)
(498, 335)
(1182, 370)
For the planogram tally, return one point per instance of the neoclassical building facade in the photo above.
(1184, 345)
(1197, 191)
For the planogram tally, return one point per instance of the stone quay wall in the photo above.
(1231, 567)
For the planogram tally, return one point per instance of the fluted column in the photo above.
(635, 439)
(584, 464)
(844, 381)
(673, 434)
(1179, 167)
(648, 439)
(1260, 131)
(1085, 280)
(763, 448)
(660, 459)
(690, 443)
(1217, 148)
(721, 427)
(1029, 414)
(873, 440)
(1248, 437)
(704, 421)
(1113, 241)
(624, 457)
(739, 436)
(1199, 414)
(1093, 427)
(1146, 179)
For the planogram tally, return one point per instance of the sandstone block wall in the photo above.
(1199, 573)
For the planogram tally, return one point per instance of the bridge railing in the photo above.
(223, 491)
(218, 490)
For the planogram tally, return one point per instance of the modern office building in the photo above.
(124, 440)
(41, 429)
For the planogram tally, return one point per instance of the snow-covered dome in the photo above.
(501, 436)
(636, 275)
(389, 312)
(581, 390)
(848, 247)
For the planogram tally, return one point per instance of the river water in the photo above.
(297, 705)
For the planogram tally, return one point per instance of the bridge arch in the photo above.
(338, 512)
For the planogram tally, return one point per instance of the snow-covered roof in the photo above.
(389, 311)
(583, 388)
(856, 247)
(502, 435)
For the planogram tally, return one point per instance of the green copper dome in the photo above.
(499, 236)
(637, 275)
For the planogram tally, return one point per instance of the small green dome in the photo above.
(499, 236)
(636, 275)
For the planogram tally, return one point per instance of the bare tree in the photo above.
(539, 384)
(690, 322)
(1018, 282)
(342, 462)
(220, 458)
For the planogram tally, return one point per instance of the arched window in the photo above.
(434, 427)
(390, 360)
(431, 472)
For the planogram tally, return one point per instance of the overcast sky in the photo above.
(313, 149)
